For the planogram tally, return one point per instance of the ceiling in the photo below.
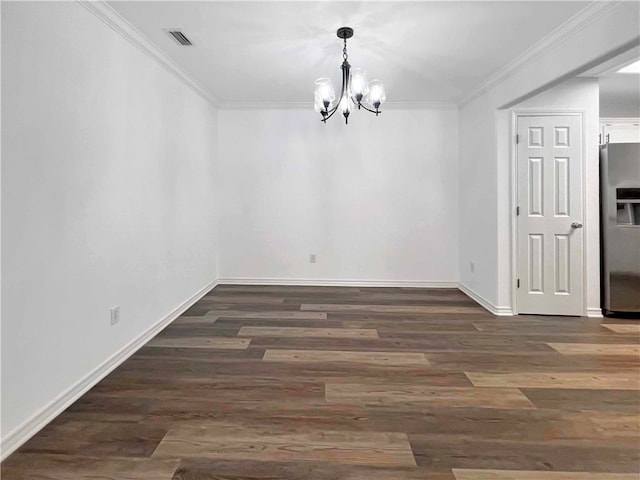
(272, 52)
(620, 95)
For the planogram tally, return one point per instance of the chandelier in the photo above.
(356, 90)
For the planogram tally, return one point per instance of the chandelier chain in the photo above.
(344, 51)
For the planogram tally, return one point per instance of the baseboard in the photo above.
(24, 432)
(315, 282)
(499, 311)
(594, 312)
(321, 282)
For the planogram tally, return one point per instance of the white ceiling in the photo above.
(620, 95)
(271, 52)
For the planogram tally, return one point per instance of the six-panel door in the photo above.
(549, 224)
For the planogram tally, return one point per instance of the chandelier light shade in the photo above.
(325, 95)
(359, 84)
(376, 94)
(356, 90)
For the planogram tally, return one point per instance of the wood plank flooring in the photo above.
(596, 349)
(201, 342)
(585, 380)
(230, 441)
(296, 332)
(391, 394)
(337, 383)
(624, 328)
(390, 359)
(522, 475)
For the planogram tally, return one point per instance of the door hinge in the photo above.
(517, 138)
(600, 139)
(517, 211)
(518, 283)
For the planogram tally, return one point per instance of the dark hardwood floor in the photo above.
(311, 383)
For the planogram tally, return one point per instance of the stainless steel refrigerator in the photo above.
(620, 227)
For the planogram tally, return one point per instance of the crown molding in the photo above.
(102, 10)
(309, 106)
(421, 106)
(614, 64)
(562, 33)
(266, 105)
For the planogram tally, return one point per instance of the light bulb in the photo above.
(325, 94)
(318, 104)
(377, 95)
(345, 104)
(359, 84)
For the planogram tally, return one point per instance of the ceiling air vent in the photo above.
(180, 37)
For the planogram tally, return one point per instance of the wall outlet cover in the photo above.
(312, 258)
(115, 315)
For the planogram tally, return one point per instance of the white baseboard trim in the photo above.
(322, 282)
(594, 312)
(499, 311)
(316, 282)
(33, 425)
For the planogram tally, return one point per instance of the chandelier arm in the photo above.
(346, 90)
(329, 113)
(364, 105)
(343, 91)
(334, 109)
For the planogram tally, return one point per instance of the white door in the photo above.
(549, 215)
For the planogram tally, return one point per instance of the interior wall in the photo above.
(107, 199)
(478, 201)
(375, 200)
(580, 94)
(485, 145)
(620, 95)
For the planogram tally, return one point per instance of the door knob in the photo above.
(576, 225)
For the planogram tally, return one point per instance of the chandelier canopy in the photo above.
(356, 89)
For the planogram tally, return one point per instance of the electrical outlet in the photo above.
(312, 258)
(115, 315)
(472, 267)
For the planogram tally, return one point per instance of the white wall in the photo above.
(107, 199)
(485, 152)
(376, 200)
(620, 95)
(580, 94)
(478, 202)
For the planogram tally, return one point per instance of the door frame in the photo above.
(536, 112)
